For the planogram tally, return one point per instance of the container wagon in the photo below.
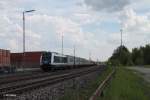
(26, 61)
(16, 60)
(5, 61)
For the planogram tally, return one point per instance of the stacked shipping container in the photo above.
(27, 60)
(16, 60)
(32, 59)
(10, 61)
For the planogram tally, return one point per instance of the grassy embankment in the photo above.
(127, 85)
(85, 93)
(146, 66)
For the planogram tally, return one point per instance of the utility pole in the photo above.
(23, 55)
(90, 56)
(23, 32)
(24, 46)
(74, 53)
(121, 30)
(62, 45)
(97, 61)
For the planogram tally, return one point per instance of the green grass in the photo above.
(146, 66)
(126, 85)
(84, 94)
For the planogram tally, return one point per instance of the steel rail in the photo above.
(22, 87)
(101, 87)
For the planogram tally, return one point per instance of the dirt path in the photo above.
(145, 72)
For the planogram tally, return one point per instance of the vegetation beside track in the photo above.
(137, 57)
(127, 85)
(142, 66)
(85, 93)
(146, 66)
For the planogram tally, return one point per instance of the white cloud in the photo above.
(80, 26)
(73, 34)
(107, 5)
(136, 27)
(11, 30)
(43, 31)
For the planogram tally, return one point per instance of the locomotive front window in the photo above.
(46, 56)
(65, 59)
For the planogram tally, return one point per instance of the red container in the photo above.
(4, 58)
(32, 59)
(26, 60)
(16, 60)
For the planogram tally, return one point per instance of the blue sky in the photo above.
(93, 26)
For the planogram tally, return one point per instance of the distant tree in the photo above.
(121, 56)
(138, 56)
(141, 56)
(146, 54)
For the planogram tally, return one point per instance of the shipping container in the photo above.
(32, 59)
(16, 60)
(4, 60)
(26, 60)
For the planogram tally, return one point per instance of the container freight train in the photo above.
(9, 62)
(46, 61)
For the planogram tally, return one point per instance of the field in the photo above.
(127, 85)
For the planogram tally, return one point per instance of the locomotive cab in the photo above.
(45, 61)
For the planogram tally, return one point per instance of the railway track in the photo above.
(27, 76)
(9, 81)
(102, 86)
(21, 87)
(21, 77)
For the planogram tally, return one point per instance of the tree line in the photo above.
(138, 56)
